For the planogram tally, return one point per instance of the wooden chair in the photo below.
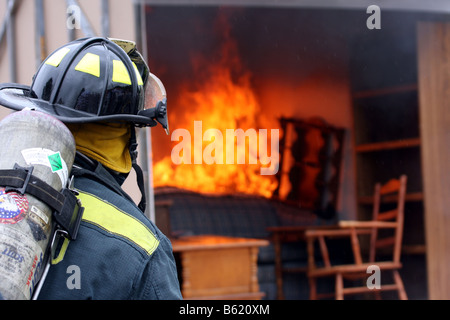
(375, 231)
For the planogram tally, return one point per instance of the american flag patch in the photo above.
(13, 207)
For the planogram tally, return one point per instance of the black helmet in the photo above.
(90, 80)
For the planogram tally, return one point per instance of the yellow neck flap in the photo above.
(107, 143)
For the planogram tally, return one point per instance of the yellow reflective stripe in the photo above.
(90, 63)
(117, 222)
(138, 75)
(120, 73)
(62, 252)
(56, 58)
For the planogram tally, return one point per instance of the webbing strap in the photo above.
(67, 208)
(140, 182)
(15, 179)
(137, 169)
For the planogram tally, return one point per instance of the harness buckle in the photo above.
(69, 218)
(21, 190)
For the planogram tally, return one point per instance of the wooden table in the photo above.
(217, 267)
(283, 234)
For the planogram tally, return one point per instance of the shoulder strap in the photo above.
(139, 174)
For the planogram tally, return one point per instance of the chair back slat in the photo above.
(390, 215)
(385, 242)
(392, 186)
(395, 189)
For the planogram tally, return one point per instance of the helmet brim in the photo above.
(17, 97)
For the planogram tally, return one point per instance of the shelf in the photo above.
(384, 91)
(414, 249)
(414, 196)
(386, 145)
(410, 249)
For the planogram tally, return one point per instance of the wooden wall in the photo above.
(434, 96)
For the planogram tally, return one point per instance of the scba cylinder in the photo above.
(29, 139)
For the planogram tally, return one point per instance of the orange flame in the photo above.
(224, 100)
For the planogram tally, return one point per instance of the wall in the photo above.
(434, 68)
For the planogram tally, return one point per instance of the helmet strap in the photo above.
(137, 169)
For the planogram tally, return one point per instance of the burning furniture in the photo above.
(311, 156)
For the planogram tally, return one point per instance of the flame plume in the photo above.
(222, 98)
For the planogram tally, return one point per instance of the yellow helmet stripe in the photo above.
(90, 63)
(138, 75)
(115, 221)
(120, 73)
(56, 58)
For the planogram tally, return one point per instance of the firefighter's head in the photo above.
(93, 80)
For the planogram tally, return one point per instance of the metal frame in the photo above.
(9, 29)
(10, 8)
(145, 136)
(438, 6)
(40, 51)
(86, 26)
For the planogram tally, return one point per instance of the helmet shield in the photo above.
(156, 100)
(154, 91)
(155, 97)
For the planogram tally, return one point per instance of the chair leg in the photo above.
(312, 288)
(400, 287)
(377, 294)
(339, 287)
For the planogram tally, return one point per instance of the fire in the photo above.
(222, 100)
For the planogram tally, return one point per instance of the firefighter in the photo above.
(102, 90)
